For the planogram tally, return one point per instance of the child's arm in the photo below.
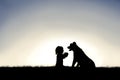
(65, 55)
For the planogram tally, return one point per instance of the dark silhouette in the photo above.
(65, 73)
(82, 60)
(60, 56)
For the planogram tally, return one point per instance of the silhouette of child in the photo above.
(60, 56)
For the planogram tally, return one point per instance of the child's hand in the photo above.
(65, 54)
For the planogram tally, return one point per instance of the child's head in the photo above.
(59, 49)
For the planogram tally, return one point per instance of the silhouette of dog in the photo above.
(80, 58)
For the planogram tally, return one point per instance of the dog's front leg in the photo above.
(78, 65)
(73, 64)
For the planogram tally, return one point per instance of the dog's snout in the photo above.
(68, 47)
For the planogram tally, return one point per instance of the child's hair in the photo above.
(59, 49)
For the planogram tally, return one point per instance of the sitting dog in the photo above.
(80, 57)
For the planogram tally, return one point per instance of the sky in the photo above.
(30, 30)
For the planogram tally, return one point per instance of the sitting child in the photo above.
(60, 56)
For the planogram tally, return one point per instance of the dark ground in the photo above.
(66, 73)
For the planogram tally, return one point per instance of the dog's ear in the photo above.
(74, 43)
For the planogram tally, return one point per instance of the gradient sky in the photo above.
(30, 30)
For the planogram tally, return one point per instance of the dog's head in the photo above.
(72, 46)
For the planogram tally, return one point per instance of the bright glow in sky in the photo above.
(30, 30)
